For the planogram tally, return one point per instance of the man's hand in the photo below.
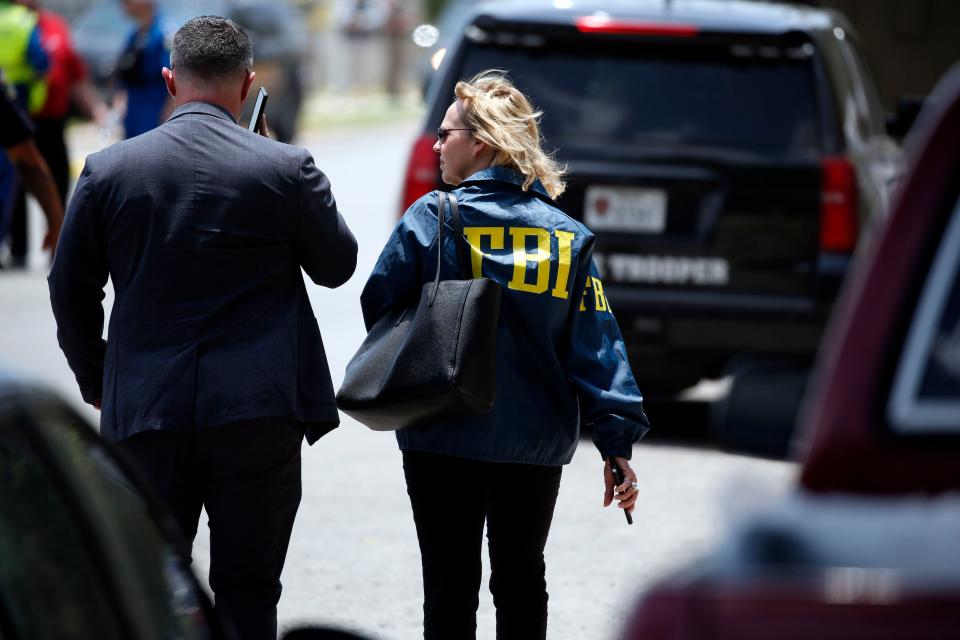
(97, 405)
(625, 493)
(264, 130)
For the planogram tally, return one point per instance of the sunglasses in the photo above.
(443, 133)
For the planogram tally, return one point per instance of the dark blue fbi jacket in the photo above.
(560, 358)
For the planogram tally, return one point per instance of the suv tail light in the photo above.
(838, 205)
(604, 24)
(422, 170)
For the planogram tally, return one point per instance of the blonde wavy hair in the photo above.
(503, 118)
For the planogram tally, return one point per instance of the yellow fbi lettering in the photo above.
(532, 251)
(599, 299)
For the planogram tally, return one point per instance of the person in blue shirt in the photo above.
(560, 363)
(139, 69)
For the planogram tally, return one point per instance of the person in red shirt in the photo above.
(68, 84)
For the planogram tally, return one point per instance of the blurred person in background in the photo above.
(560, 363)
(397, 31)
(144, 102)
(66, 84)
(22, 57)
(205, 230)
(22, 154)
(24, 63)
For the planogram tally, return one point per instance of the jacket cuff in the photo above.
(90, 396)
(89, 390)
(614, 436)
(313, 431)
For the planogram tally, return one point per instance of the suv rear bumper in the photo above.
(698, 332)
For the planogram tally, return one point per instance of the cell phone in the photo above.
(258, 108)
(618, 480)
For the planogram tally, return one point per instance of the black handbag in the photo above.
(432, 361)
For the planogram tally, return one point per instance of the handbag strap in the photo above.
(436, 278)
(463, 260)
(463, 255)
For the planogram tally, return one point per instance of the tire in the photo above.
(758, 416)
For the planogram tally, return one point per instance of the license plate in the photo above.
(625, 209)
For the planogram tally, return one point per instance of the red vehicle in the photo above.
(866, 546)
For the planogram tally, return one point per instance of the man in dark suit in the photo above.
(213, 370)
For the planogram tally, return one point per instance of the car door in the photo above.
(84, 554)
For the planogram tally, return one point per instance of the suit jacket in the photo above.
(203, 228)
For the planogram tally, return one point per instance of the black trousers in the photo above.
(451, 499)
(52, 144)
(247, 476)
(49, 138)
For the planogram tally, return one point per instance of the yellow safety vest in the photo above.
(16, 26)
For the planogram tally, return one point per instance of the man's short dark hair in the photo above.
(211, 47)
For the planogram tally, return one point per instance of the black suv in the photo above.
(729, 157)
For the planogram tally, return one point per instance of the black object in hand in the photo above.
(258, 108)
(618, 480)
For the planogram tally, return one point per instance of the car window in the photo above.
(926, 389)
(49, 580)
(156, 582)
(753, 99)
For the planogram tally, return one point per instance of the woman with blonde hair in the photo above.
(560, 363)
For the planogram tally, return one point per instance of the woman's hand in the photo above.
(625, 493)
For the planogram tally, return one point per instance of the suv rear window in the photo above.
(757, 99)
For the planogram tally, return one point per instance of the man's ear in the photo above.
(170, 81)
(247, 83)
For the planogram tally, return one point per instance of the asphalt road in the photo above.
(353, 560)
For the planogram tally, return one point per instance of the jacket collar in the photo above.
(504, 174)
(205, 108)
